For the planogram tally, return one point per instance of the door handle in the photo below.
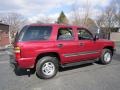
(60, 45)
(82, 44)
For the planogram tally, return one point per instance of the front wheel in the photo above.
(106, 56)
(47, 67)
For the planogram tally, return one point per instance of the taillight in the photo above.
(17, 52)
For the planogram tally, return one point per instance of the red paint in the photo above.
(29, 50)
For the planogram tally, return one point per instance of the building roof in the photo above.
(4, 24)
(4, 27)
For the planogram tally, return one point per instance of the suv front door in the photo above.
(87, 47)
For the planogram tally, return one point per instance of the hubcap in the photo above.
(48, 68)
(107, 57)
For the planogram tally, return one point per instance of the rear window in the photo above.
(35, 33)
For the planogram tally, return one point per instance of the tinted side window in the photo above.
(65, 34)
(84, 34)
(36, 33)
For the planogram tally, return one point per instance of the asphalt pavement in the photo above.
(83, 77)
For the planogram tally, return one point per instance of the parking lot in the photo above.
(85, 77)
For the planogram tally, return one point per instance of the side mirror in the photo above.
(96, 37)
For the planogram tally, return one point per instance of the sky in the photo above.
(33, 10)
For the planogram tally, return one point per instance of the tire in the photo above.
(106, 56)
(47, 67)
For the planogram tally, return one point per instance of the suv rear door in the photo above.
(66, 44)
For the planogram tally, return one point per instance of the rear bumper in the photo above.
(23, 63)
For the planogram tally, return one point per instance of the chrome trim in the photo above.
(81, 53)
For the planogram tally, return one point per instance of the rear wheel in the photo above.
(106, 56)
(47, 67)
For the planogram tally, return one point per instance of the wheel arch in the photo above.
(54, 54)
(110, 48)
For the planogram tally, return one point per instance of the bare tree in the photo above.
(117, 11)
(15, 21)
(107, 19)
(87, 11)
(75, 15)
(81, 14)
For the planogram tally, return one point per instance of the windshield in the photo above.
(35, 33)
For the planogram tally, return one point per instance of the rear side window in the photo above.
(36, 33)
(65, 34)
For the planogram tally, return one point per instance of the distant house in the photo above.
(112, 29)
(4, 34)
(114, 32)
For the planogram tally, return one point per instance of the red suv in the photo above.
(45, 47)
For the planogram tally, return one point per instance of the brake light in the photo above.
(17, 52)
